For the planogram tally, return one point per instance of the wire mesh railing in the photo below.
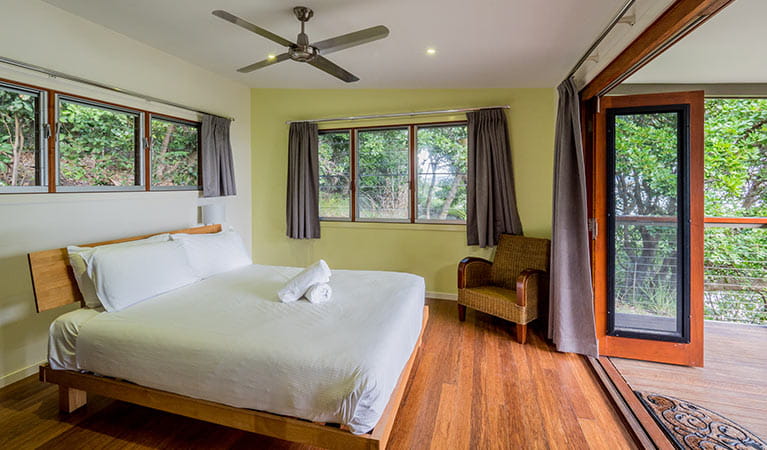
(735, 274)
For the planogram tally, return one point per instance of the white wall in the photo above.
(38, 33)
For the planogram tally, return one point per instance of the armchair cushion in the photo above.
(515, 254)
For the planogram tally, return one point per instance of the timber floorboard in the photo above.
(472, 387)
(732, 381)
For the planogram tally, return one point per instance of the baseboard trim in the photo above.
(442, 296)
(20, 374)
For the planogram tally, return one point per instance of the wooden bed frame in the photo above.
(54, 285)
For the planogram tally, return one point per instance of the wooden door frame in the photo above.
(682, 17)
(690, 354)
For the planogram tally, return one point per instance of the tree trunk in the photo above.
(18, 144)
(430, 192)
(159, 169)
(450, 196)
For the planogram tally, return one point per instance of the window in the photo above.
(53, 141)
(22, 154)
(383, 179)
(404, 173)
(441, 179)
(98, 145)
(335, 175)
(175, 154)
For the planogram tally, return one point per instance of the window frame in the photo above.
(412, 129)
(414, 165)
(148, 152)
(49, 144)
(42, 138)
(352, 174)
(140, 172)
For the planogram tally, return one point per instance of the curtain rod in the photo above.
(57, 74)
(409, 114)
(601, 37)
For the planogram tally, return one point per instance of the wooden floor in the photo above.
(472, 387)
(733, 382)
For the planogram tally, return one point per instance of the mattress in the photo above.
(230, 340)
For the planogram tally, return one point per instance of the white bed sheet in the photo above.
(229, 339)
(62, 337)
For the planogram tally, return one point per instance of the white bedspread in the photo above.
(229, 339)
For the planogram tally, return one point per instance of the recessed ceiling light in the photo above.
(431, 51)
(271, 56)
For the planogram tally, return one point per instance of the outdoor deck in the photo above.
(733, 382)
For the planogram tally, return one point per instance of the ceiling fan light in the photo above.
(271, 56)
(431, 51)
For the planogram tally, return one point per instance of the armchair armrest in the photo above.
(531, 287)
(473, 272)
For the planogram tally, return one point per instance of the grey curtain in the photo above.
(491, 203)
(303, 205)
(216, 155)
(571, 309)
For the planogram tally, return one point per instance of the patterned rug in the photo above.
(690, 426)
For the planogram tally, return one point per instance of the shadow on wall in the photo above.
(23, 332)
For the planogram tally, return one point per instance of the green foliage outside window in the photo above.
(97, 146)
(383, 173)
(442, 158)
(19, 141)
(335, 174)
(174, 153)
(735, 186)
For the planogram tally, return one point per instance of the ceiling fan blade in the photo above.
(250, 27)
(264, 63)
(352, 39)
(326, 65)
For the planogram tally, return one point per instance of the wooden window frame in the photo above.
(412, 175)
(148, 152)
(49, 146)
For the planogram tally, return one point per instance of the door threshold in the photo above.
(646, 432)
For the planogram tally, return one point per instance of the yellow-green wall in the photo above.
(431, 251)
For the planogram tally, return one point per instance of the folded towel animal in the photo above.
(297, 286)
(319, 293)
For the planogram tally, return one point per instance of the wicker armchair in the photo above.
(513, 287)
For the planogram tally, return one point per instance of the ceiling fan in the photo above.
(301, 50)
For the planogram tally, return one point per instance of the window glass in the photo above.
(383, 174)
(98, 145)
(441, 176)
(20, 150)
(175, 153)
(335, 175)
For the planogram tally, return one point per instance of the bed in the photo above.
(225, 350)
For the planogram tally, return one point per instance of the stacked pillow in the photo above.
(120, 275)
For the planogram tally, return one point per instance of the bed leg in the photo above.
(70, 399)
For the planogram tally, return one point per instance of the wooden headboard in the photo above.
(52, 278)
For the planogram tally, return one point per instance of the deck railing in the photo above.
(735, 270)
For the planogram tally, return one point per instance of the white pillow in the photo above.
(213, 253)
(124, 276)
(80, 267)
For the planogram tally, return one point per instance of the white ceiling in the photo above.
(729, 48)
(480, 43)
